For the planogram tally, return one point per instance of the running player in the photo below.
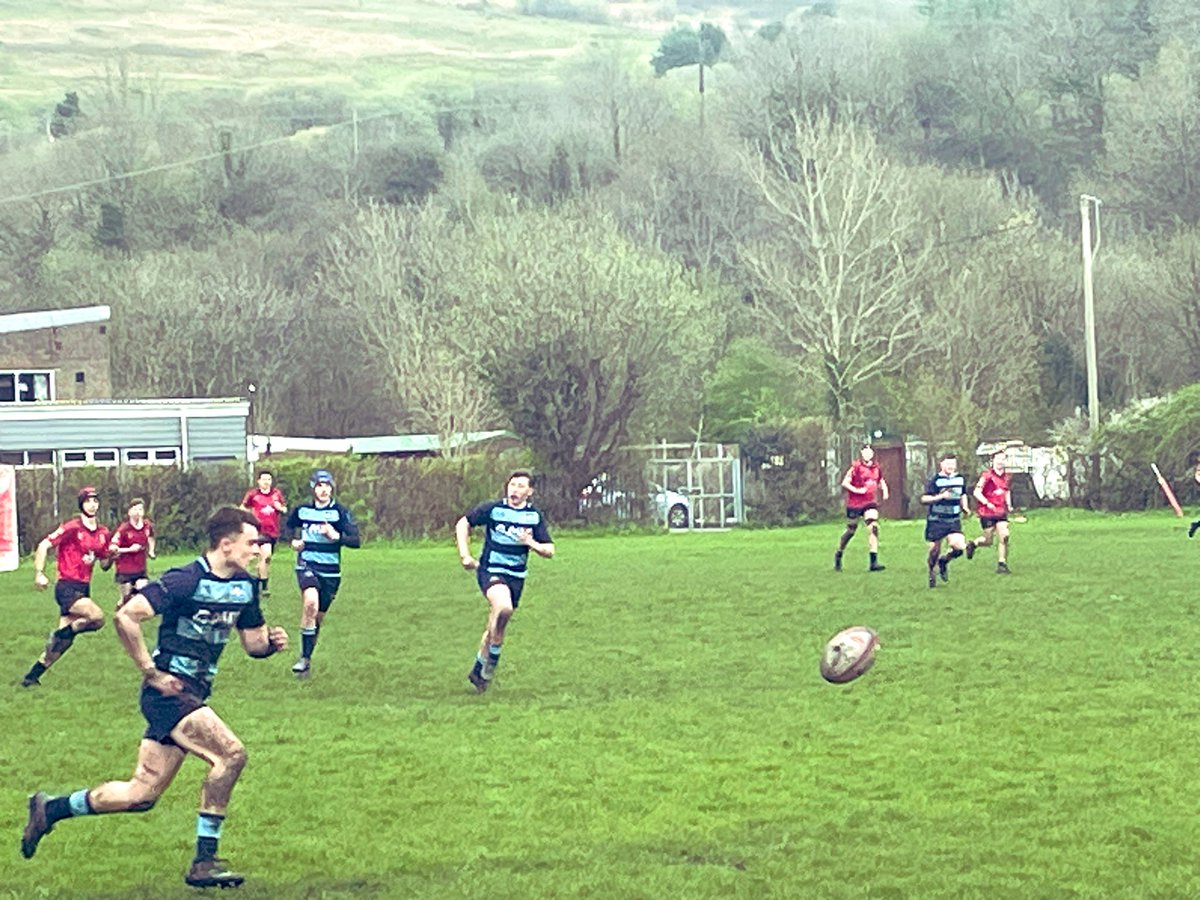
(131, 546)
(993, 500)
(947, 502)
(513, 527)
(200, 605)
(863, 480)
(266, 502)
(321, 528)
(77, 544)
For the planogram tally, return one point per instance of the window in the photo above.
(75, 459)
(27, 459)
(151, 456)
(26, 387)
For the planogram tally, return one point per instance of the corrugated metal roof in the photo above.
(53, 318)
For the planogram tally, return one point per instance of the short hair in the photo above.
(996, 453)
(950, 455)
(262, 472)
(136, 501)
(521, 473)
(227, 522)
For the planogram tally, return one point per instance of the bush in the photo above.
(786, 480)
(390, 498)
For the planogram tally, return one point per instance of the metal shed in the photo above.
(107, 433)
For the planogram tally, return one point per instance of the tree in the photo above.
(394, 276)
(593, 342)
(683, 46)
(1152, 139)
(839, 283)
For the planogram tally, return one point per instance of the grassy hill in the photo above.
(370, 50)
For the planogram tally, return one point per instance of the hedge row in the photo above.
(391, 498)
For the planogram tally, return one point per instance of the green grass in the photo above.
(659, 728)
(373, 52)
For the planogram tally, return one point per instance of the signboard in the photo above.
(9, 556)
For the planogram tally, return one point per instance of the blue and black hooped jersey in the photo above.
(503, 552)
(945, 510)
(199, 611)
(320, 554)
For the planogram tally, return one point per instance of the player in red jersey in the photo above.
(77, 543)
(993, 503)
(863, 485)
(266, 502)
(131, 546)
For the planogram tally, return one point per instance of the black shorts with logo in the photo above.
(163, 712)
(937, 529)
(852, 513)
(66, 592)
(327, 588)
(986, 522)
(515, 585)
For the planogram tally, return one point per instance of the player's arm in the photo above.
(462, 537)
(128, 622)
(349, 535)
(538, 540)
(848, 483)
(929, 497)
(263, 640)
(883, 489)
(151, 545)
(39, 564)
(978, 494)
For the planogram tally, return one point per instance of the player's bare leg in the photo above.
(264, 566)
(1002, 548)
(310, 615)
(935, 548)
(500, 610)
(204, 734)
(872, 518)
(83, 616)
(958, 546)
(851, 528)
(157, 765)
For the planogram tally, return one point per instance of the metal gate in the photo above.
(696, 485)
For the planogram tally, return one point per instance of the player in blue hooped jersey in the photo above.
(320, 529)
(512, 527)
(200, 604)
(946, 497)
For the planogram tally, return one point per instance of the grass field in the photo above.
(368, 50)
(658, 728)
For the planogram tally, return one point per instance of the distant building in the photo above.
(59, 354)
(109, 433)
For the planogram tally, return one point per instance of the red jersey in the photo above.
(127, 536)
(994, 487)
(78, 547)
(863, 475)
(263, 507)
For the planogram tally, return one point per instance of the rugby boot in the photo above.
(970, 549)
(477, 679)
(1002, 569)
(214, 872)
(302, 668)
(837, 561)
(38, 825)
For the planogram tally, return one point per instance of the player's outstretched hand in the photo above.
(469, 563)
(40, 581)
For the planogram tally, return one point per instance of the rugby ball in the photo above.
(849, 654)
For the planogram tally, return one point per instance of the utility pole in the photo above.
(1086, 202)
